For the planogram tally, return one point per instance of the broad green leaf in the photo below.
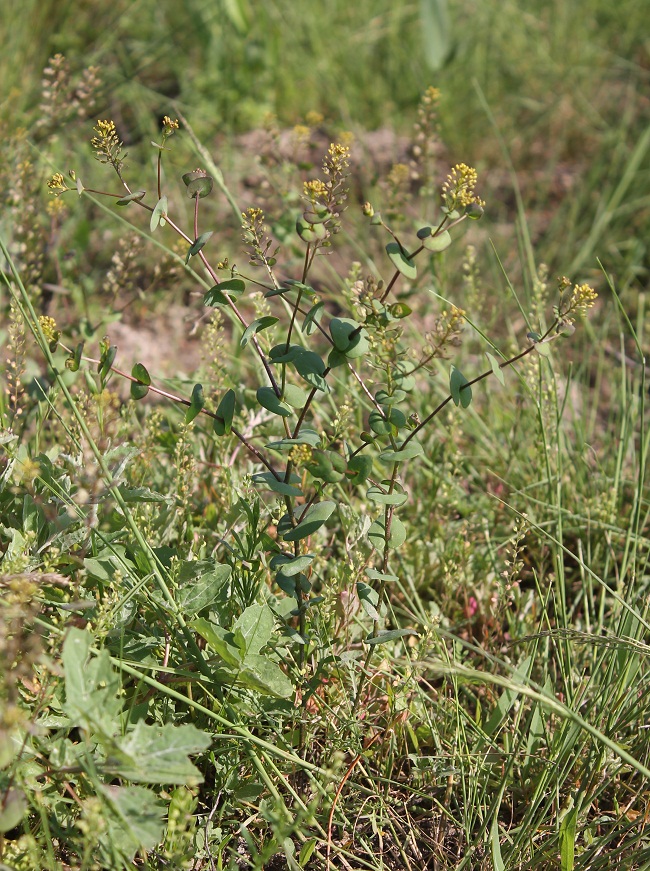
(135, 197)
(306, 437)
(267, 398)
(461, 392)
(496, 369)
(12, 809)
(256, 327)
(141, 818)
(264, 676)
(159, 754)
(219, 639)
(201, 582)
(389, 635)
(220, 294)
(197, 245)
(345, 334)
(312, 520)
(197, 402)
(159, 214)
(400, 261)
(255, 626)
(224, 414)
(91, 684)
(272, 483)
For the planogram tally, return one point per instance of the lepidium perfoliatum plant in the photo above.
(336, 423)
(291, 610)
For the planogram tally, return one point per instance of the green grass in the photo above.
(509, 733)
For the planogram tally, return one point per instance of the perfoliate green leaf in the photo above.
(159, 214)
(375, 575)
(256, 327)
(312, 520)
(361, 466)
(461, 392)
(106, 361)
(224, 414)
(197, 402)
(267, 398)
(377, 534)
(272, 483)
(197, 244)
(381, 497)
(496, 369)
(140, 388)
(411, 450)
(400, 261)
(221, 293)
(440, 242)
(369, 599)
(135, 197)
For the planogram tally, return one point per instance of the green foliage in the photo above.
(318, 586)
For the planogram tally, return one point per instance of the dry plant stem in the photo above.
(337, 795)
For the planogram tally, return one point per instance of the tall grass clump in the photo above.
(336, 602)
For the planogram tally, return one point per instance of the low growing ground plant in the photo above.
(216, 650)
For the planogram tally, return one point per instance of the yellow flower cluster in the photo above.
(57, 184)
(169, 126)
(48, 325)
(458, 190)
(582, 298)
(337, 159)
(300, 455)
(315, 190)
(107, 145)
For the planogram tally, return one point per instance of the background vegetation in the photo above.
(511, 732)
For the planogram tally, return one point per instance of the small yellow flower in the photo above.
(314, 118)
